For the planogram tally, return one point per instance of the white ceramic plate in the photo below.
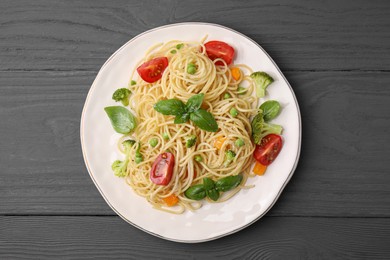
(212, 221)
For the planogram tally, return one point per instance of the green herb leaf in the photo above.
(196, 192)
(228, 183)
(204, 120)
(213, 194)
(191, 141)
(208, 184)
(194, 102)
(270, 109)
(122, 120)
(172, 107)
(182, 118)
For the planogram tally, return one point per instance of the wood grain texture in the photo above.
(269, 238)
(337, 57)
(343, 170)
(299, 35)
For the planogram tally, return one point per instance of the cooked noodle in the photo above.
(214, 81)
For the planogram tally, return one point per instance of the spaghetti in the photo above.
(220, 96)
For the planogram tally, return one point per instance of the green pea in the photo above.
(133, 82)
(153, 142)
(191, 69)
(226, 96)
(233, 112)
(198, 158)
(165, 136)
(173, 51)
(138, 159)
(239, 142)
(179, 46)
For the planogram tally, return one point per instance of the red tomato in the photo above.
(152, 70)
(161, 172)
(269, 148)
(217, 49)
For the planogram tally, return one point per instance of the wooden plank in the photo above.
(343, 170)
(270, 238)
(40, 147)
(77, 35)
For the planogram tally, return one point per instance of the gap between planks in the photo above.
(114, 215)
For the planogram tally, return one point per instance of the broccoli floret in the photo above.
(191, 141)
(127, 144)
(229, 157)
(120, 167)
(262, 80)
(122, 95)
(260, 128)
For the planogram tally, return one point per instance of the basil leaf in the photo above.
(270, 109)
(228, 183)
(194, 102)
(196, 192)
(172, 107)
(208, 184)
(204, 120)
(182, 118)
(213, 194)
(122, 120)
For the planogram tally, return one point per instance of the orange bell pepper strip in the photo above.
(236, 73)
(259, 169)
(171, 200)
(219, 142)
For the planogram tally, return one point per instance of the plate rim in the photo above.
(93, 86)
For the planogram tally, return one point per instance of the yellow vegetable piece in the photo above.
(219, 142)
(259, 169)
(236, 73)
(171, 200)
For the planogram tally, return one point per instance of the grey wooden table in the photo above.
(336, 55)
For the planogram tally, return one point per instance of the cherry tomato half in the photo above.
(161, 172)
(269, 148)
(218, 49)
(152, 70)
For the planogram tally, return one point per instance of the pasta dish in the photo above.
(193, 132)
